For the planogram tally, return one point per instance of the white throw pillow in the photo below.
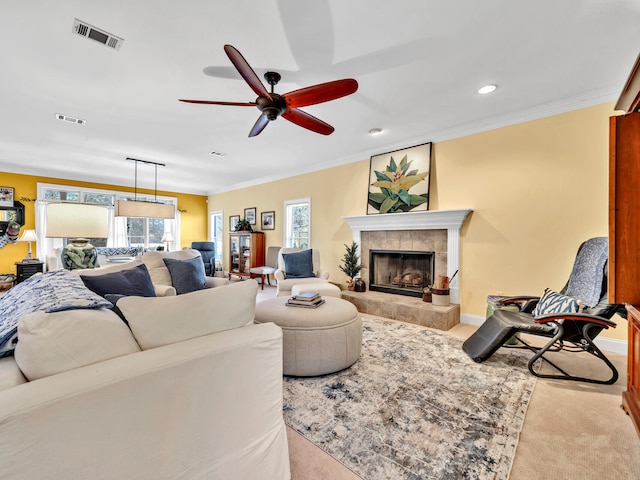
(50, 343)
(163, 320)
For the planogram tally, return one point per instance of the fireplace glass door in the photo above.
(400, 272)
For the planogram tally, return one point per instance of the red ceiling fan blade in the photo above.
(320, 93)
(213, 102)
(305, 120)
(259, 126)
(246, 71)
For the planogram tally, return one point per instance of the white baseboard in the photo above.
(475, 320)
(605, 344)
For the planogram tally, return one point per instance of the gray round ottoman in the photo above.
(316, 341)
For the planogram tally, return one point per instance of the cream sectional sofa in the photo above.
(192, 389)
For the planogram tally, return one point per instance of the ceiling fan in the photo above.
(273, 105)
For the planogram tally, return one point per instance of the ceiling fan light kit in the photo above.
(273, 105)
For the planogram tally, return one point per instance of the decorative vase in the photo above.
(360, 286)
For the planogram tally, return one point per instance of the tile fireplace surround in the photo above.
(436, 231)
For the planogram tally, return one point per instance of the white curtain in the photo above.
(117, 230)
(45, 246)
(173, 227)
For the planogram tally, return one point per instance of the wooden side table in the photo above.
(28, 269)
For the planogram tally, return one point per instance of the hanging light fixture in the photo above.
(142, 208)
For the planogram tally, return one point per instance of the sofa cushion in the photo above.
(299, 264)
(164, 320)
(50, 292)
(52, 343)
(130, 281)
(10, 374)
(186, 275)
(116, 267)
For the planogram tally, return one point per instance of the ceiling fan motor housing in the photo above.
(272, 109)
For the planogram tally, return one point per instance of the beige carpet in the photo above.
(572, 431)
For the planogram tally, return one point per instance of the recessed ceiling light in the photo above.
(487, 89)
(375, 131)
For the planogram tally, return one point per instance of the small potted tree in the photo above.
(351, 264)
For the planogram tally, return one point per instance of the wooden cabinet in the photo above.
(246, 251)
(624, 227)
(631, 397)
(624, 209)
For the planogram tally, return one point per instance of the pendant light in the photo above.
(142, 208)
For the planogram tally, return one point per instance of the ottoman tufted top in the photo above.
(335, 312)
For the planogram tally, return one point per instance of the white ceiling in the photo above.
(418, 64)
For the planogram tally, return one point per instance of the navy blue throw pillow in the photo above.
(186, 275)
(134, 281)
(299, 264)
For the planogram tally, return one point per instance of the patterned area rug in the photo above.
(415, 406)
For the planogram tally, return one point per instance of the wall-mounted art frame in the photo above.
(268, 220)
(250, 215)
(6, 197)
(233, 221)
(399, 180)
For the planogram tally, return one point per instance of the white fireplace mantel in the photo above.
(450, 220)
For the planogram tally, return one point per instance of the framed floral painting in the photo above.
(399, 180)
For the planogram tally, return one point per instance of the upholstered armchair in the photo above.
(298, 266)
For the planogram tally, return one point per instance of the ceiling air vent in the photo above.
(89, 31)
(69, 119)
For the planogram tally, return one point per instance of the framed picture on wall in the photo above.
(250, 215)
(399, 180)
(233, 221)
(6, 197)
(268, 220)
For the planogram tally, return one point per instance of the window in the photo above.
(215, 234)
(145, 232)
(297, 223)
(124, 232)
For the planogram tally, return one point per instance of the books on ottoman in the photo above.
(306, 297)
(305, 300)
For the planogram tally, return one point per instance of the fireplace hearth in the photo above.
(400, 272)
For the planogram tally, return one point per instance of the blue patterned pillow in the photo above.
(553, 302)
(50, 292)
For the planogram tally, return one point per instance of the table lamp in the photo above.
(167, 238)
(77, 222)
(29, 236)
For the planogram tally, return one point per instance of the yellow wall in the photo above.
(193, 221)
(537, 190)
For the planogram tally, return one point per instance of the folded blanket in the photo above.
(585, 282)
